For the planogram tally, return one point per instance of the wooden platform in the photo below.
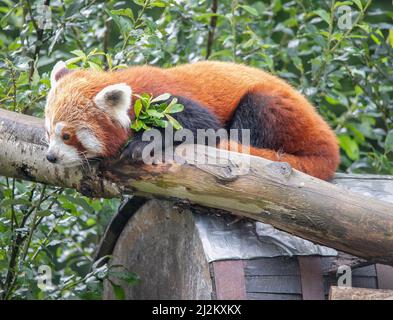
(188, 254)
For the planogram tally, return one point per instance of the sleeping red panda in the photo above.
(88, 112)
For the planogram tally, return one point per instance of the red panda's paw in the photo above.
(143, 151)
(134, 150)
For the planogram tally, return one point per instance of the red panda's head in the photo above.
(86, 115)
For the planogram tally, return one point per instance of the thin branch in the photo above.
(40, 35)
(212, 28)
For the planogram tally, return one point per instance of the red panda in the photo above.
(88, 112)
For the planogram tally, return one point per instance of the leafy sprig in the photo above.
(155, 112)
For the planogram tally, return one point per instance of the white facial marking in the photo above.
(58, 128)
(66, 155)
(87, 138)
(116, 101)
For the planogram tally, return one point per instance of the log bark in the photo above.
(345, 293)
(266, 191)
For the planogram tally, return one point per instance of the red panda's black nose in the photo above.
(51, 157)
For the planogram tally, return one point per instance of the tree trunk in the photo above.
(270, 192)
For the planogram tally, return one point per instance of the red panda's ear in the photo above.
(58, 71)
(116, 101)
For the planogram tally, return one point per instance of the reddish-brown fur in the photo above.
(73, 139)
(306, 141)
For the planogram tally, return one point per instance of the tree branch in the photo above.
(269, 192)
(212, 28)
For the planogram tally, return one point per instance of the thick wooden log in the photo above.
(249, 186)
(345, 293)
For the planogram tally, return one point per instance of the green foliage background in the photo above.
(347, 73)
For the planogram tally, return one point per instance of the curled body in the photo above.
(88, 113)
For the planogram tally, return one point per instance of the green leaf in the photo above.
(250, 10)
(126, 276)
(160, 123)
(358, 90)
(125, 25)
(9, 202)
(137, 125)
(145, 99)
(161, 107)
(389, 142)
(44, 213)
(73, 60)
(375, 38)
(94, 65)
(359, 4)
(390, 37)
(342, 3)
(137, 107)
(175, 108)
(73, 8)
(176, 125)
(158, 4)
(350, 147)
(79, 53)
(154, 113)
(124, 12)
(324, 15)
(359, 136)
(162, 97)
(331, 100)
(277, 6)
(145, 127)
(173, 101)
(90, 222)
(365, 27)
(145, 96)
(118, 291)
(80, 202)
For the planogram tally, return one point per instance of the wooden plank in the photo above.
(272, 296)
(385, 276)
(274, 284)
(366, 271)
(346, 293)
(311, 277)
(331, 264)
(364, 282)
(229, 280)
(272, 266)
